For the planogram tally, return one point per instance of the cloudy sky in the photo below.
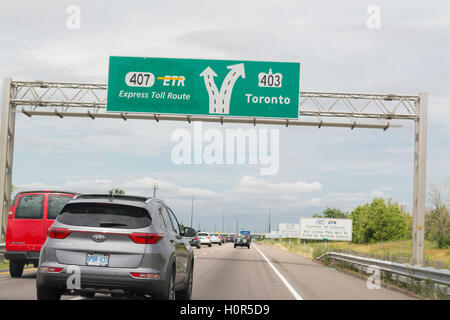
(334, 167)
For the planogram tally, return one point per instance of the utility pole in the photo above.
(265, 224)
(270, 212)
(155, 187)
(237, 226)
(223, 221)
(192, 211)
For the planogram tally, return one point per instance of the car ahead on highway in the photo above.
(129, 244)
(242, 240)
(229, 238)
(204, 238)
(31, 214)
(194, 242)
(215, 238)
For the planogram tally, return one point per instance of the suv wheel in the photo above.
(170, 288)
(16, 268)
(235, 246)
(186, 293)
(209, 245)
(44, 293)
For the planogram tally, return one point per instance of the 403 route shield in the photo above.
(204, 87)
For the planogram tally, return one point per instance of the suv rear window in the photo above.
(30, 206)
(104, 216)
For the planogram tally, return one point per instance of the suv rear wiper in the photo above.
(112, 224)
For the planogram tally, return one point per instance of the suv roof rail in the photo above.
(111, 196)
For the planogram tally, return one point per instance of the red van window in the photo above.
(30, 206)
(55, 204)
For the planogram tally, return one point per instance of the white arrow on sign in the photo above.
(208, 76)
(219, 101)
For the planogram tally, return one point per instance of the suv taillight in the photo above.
(51, 269)
(146, 238)
(144, 275)
(58, 233)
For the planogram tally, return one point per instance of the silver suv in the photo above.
(119, 245)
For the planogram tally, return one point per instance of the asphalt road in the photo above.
(261, 272)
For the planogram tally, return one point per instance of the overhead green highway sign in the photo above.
(203, 87)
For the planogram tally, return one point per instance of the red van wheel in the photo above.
(16, 268)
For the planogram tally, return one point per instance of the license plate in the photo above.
(97, 259)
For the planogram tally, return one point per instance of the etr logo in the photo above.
(172, 81)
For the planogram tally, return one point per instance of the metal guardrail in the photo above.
(431, 274)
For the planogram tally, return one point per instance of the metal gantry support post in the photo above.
(8, 122)
(420, 164)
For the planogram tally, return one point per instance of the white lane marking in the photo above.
(286, 283)
(78, 298)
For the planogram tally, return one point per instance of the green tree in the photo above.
(13, 188)
(380, 221)
(116, 191)
(332, 213)
(437, 220)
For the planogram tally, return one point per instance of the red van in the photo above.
(31, 214)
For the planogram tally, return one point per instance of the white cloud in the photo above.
(81, 136)
(255, 186)
(249, 194)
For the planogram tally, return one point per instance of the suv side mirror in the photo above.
(189, 232)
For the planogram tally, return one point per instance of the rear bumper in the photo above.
(101, 279)
(25, 256)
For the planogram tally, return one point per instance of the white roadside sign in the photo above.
(289, 230)
(272, 235)
(329, 229)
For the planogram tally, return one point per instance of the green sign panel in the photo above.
(204, 87)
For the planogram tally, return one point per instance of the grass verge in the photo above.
(397, 251)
